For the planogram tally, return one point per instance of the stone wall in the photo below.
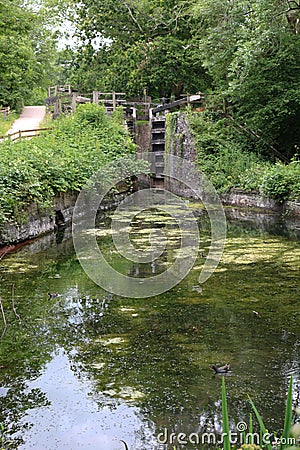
(180, 143)
(237, 197)
(179, 139)
(39, 221)
(143, 142)
(292, 208)
(241, 199)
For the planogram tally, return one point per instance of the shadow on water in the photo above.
(85, 369)
(272, 223)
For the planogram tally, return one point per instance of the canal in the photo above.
(84, 369)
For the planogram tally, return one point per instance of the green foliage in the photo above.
(288, 416)
(255, 66)
(6, 123)
(282, 182)
(118, 115)
(225, 421)
(91, 115)
(263, 430)
(219, 154)
(147, 45)
(250, 179)
(63, 160)
(229, 163)
(284, 441)
(5, 442)
(27, 49)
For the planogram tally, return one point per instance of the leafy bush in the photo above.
(250, 179)
(60, 161)
(219, 154)
(229, 163)
(282, 182)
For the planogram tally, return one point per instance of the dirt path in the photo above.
(30, 119)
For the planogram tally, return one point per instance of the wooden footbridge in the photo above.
(62, 99)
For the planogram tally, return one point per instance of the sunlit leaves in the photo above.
(26, 53)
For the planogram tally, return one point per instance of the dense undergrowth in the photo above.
(33, 171)
(229, 157)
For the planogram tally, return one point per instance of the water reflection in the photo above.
(74, 419)
(272, 223)
(88, 368)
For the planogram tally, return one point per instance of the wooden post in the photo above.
(144, 100)
(73, 105)
(95, 97)
(114, 100)
(55, 108)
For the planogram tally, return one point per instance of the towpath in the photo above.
(30, 119)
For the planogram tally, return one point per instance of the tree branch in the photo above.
(132, 16)
(248, 130)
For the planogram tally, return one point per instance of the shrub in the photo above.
(63, 160)
(228, 162)
(282, 182)
(219, 154)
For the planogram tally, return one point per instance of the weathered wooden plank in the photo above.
(176, 103)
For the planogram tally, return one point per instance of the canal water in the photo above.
(86, 369)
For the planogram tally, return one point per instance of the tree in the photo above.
(245, 53)
(26, 51)
(144, 44)
(255, 66)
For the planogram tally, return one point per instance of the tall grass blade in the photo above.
(225, 421)
(261, 423)
(288, 417)
(250, 430)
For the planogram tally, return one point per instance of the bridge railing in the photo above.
(24, 134)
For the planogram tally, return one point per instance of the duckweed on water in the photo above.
(151, 354)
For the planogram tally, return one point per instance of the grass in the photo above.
(47, 121)
(225, 419)
(284, 440)
(5, 124)
(284, 443)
